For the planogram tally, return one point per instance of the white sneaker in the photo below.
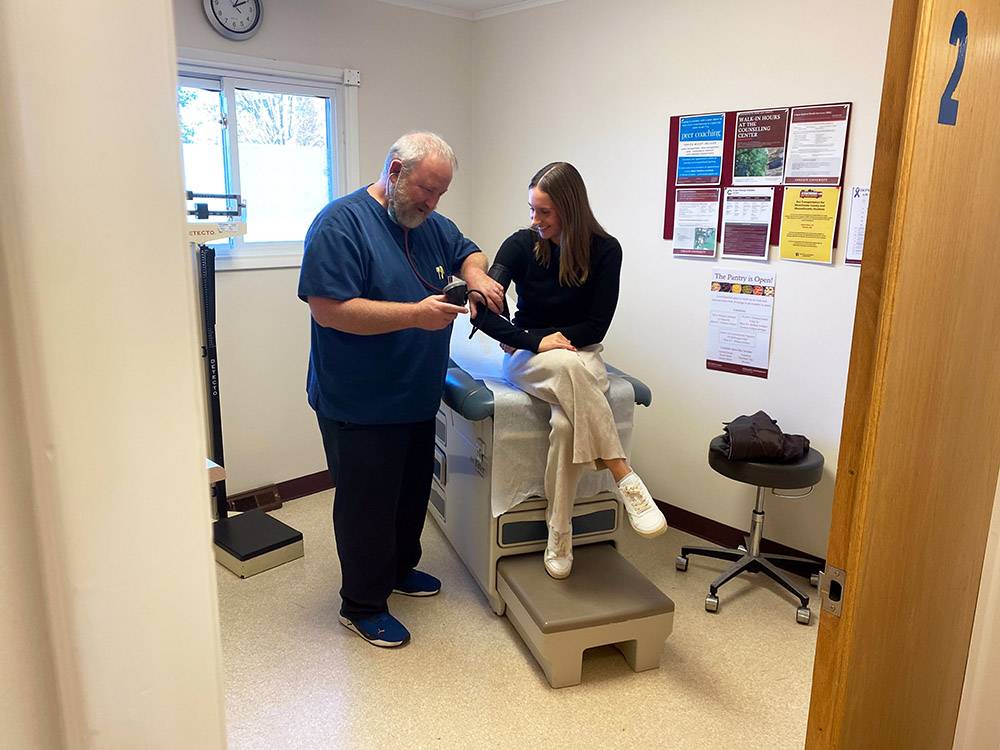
(645, 517)
(559, 553)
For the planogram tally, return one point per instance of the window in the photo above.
(280, 138)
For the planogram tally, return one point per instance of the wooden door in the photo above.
(920, 447)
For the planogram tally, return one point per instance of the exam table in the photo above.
(486, 497)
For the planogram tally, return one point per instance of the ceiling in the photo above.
(471, 10)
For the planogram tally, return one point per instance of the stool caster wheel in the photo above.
(681, 563)
(814, 580)
(803, 615)
(711, 603)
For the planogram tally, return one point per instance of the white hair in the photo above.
(413, 148)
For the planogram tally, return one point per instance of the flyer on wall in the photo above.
(817, 140)
(746, 222)
(696, 222)
(857, 224)
(699, 149)
(739, 321)
(759, 152)
(808, 223)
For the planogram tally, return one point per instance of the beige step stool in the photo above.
(604, 601)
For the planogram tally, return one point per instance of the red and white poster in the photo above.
(696, 222)
(817, 142)
(759, 153)
(746, 222)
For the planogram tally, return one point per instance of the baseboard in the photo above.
(276, 494)
(727, 536)
(310, 484)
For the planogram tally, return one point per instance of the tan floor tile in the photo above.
(295, 678)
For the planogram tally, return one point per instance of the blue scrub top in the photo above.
(353, 249)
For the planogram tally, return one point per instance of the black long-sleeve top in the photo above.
(581, 313)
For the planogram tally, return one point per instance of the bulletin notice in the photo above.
(746, 222)
(696, 222)
(759, 151)
(739, 323)
(699, 149)
(808, 223)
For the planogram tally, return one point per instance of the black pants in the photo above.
(382, 475)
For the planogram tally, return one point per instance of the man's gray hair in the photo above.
(413, 148)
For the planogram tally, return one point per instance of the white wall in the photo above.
(595, 83)
(108, 590)
(415, 74)
(978, 719)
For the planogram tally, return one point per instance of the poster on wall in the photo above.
(759, 152)
(699, 149)
(746, 222)
(808, 223)
(856, 225)
(739, 322)
(817, 141)
(696, 222)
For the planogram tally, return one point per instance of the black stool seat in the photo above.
(791, 476)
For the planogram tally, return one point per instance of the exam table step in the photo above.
(604, 601)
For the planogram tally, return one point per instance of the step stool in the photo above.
(604, 601)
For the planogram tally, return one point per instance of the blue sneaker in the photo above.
(379, 630)
(418, 583)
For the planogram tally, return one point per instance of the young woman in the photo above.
(565, 269)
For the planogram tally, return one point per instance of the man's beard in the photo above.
(401, 208)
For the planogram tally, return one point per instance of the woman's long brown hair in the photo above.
(564, 186)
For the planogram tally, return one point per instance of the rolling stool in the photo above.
(798, 475)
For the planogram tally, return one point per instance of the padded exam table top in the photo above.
(473, 399)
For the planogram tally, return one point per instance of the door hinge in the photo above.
(832, 587)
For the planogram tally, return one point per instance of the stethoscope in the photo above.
(413, 266)
(442, 290)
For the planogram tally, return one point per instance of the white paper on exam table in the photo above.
(519, 456)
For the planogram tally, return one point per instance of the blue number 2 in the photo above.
(948, 113)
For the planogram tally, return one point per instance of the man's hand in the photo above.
(478, 280)
(555, 341)
(508, 348)
(435, 313)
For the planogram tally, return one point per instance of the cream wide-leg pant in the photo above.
(574, 384)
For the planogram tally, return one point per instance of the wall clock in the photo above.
(234, 19)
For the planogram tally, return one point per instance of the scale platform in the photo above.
(252, 542)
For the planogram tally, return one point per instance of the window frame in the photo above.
(228, 72)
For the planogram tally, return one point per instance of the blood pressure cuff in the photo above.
(501, 274)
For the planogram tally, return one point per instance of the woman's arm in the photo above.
(507, 267)
(501, 329)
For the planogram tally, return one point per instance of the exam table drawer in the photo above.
(441, 428)
(528, 527)
(441, 466)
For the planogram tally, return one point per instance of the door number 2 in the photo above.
(948, 113)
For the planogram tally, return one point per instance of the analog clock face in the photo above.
(240, 17)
